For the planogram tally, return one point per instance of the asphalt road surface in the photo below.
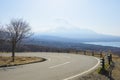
(58, 66)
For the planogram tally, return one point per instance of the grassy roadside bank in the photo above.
(5, 61)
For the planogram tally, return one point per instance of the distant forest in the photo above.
(51, 46)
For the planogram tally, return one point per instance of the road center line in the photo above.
(84, 71)
(59, 65)
(66, 56)
(49, 59)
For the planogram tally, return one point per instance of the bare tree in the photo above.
(1, 29)
(2, 35)
(18, 29)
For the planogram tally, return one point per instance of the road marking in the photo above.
(66, 56)
(49, 59)
(84, 71)
(59, 65)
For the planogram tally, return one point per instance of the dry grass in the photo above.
(93, 76)
(19, 60)
(116, 70)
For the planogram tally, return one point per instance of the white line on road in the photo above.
(66, 56)
(84, 71)
(49, 59)
(59, 65)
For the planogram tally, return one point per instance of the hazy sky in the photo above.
(102, 16)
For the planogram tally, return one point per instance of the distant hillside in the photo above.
(69, 45)
(78, 38)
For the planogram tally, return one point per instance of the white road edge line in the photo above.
(59, 65)
(84, 71)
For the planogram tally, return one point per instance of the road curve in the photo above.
(59, 66)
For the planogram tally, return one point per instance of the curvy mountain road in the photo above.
(58, 66)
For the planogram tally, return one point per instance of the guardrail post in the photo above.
(103, 63)
(101, 54)
(84, 52)
(92, 53)
(109, 59)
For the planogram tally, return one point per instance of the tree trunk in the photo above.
(13, 51)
